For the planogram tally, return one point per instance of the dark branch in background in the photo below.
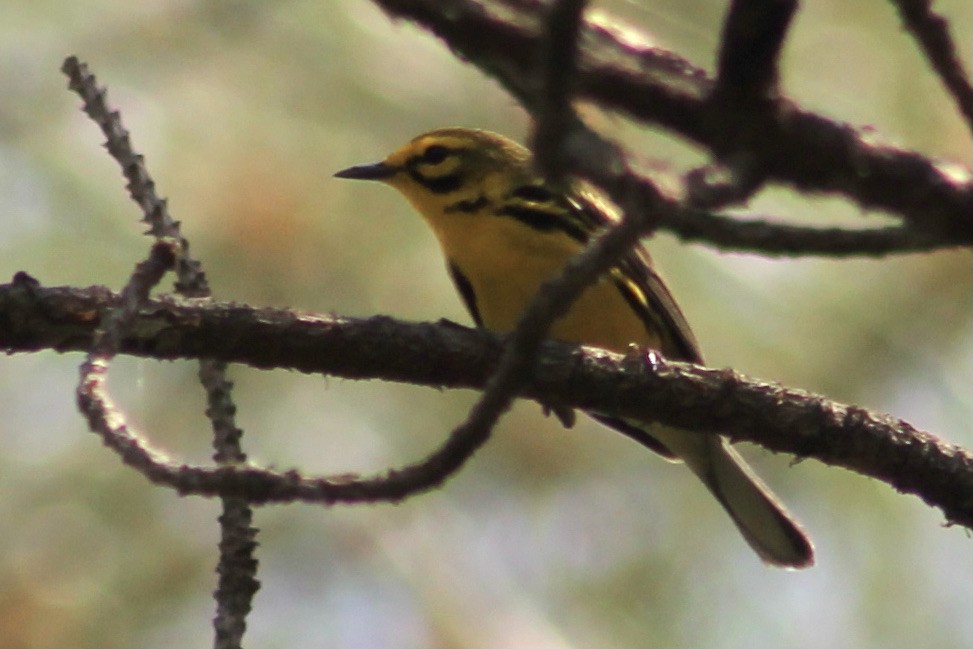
(752, 39)
(778, 239)
(237, 567)
(586, 154)
(753, 35)
(788, 146)
(932, 33)
(435, 355)
(555, 117)
(746, 88)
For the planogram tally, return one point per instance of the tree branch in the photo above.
(932, 33)
(746, 88)
(556, 117)
(753, 35)
(782, 240)
(447, 355)
(787, 145)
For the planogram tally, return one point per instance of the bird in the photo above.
(504, 230)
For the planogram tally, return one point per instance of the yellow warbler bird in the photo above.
(504, 231)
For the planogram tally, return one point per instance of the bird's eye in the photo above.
(435, 154)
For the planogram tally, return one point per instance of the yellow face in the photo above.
(448, 173)
(443, 168)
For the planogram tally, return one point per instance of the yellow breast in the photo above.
(506, 262)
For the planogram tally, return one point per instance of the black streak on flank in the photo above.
(466, 292)
(468, 206)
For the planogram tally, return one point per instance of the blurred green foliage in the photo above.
(549, 537)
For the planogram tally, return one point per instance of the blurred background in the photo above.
(549, 537)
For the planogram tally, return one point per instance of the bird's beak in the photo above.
(376, 171)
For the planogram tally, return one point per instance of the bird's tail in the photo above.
(760, 517)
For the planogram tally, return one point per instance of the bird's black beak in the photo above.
(377, 171)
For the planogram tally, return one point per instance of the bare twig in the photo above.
(753, 34)
(555, 115)
(722, 184)
(931, 31)
(589, 155)
(118, 321)
(782, 240)
(746, 91)
(237, 567)
(141, 187)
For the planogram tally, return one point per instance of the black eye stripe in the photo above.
(436, 184)
(426, 169)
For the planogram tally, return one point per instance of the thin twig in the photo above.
(931, 31)
(589, 158)
(774, 239)
(237, 567)
(141, 187)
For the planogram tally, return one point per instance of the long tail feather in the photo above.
(761, 518)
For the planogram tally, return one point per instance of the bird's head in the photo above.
(449, 166)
